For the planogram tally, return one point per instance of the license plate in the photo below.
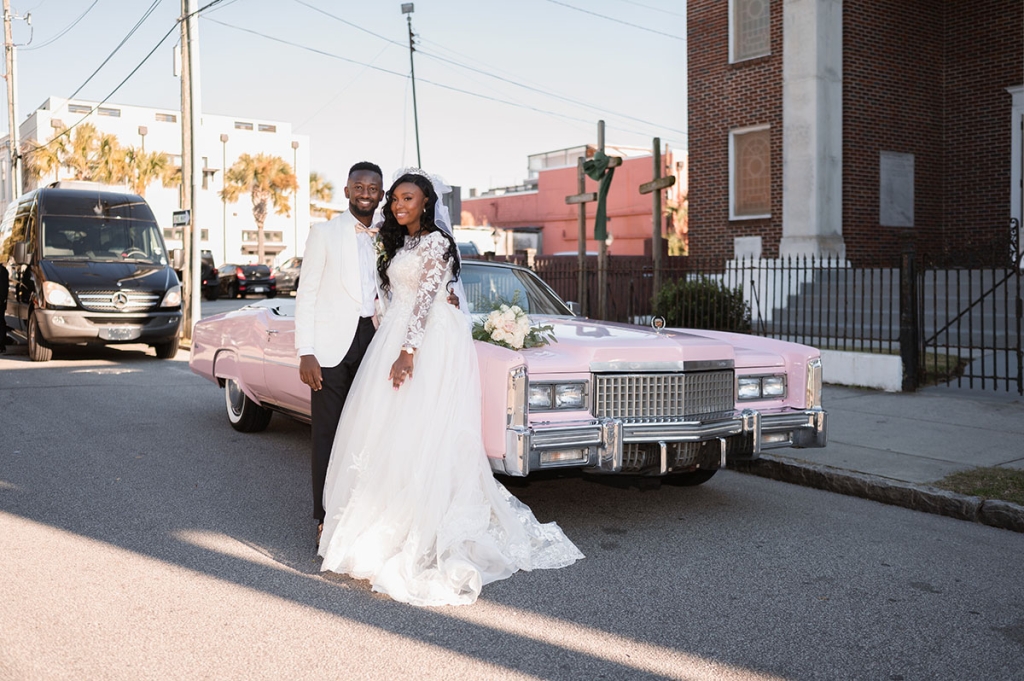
(119, 333)
(257, 289)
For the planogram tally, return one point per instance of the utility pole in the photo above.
(191, 120)
(407, 8)
(12, 110)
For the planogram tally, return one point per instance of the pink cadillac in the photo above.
(606, 398)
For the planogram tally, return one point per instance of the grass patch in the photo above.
(1004, 484)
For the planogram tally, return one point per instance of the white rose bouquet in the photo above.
(509, 326)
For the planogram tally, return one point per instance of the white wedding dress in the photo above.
(411, 503)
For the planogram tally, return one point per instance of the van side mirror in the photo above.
(178, 259)
(21, 253)
(575, 308)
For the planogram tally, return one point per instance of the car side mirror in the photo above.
(575, 308)
(21, 253)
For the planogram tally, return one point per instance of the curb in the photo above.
(992, 512)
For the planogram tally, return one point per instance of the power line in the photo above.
(343, 89)
(656, 9)
(119, 46)
(494, 75)
(65, 30)
(618, 21)
(67, 131)
(349, 23)
(314, 50)
(549, 94)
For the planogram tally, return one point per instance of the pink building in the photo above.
(534, 215)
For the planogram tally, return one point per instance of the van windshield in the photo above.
(102, 238)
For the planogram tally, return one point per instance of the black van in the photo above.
(88, 266)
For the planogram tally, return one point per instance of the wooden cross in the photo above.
(581, 199)
(654, 187)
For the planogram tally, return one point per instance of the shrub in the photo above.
(702, 303)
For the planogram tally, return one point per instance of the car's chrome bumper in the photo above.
(598, 444)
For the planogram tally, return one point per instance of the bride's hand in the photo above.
(401, 369)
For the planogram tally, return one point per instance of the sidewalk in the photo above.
(889, 447)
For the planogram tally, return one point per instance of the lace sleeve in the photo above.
(432, 249)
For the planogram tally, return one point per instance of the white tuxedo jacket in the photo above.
(330, 294)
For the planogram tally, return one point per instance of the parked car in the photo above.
(211, 280)
(606, 397)
(242, 280)
(468, 248)
(88, 265)
(287, 275)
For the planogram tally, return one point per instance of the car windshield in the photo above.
(102, 238)
(489, 286)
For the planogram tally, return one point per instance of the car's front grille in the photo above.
(658, 396)
(118, 301)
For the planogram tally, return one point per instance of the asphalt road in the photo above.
(141, 537)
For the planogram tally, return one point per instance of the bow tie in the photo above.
(372, 231)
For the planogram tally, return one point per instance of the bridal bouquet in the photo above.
(508, 326)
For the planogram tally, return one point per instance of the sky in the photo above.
(339, 72)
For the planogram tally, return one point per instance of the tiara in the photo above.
(440, 186)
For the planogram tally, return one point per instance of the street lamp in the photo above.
(143, 130)
(407, 8)
(223, 201)
(295, 169)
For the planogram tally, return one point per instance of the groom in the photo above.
(334, 310)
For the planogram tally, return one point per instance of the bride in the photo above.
(411, 502)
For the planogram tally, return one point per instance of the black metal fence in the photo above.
(950, 324)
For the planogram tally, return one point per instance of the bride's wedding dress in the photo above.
(411, 502)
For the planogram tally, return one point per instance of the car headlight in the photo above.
(773, 386)
(550, 396)
(172, 298)
(749, 388)
(540, 396)
(569, 396)
(761, 387)
(55, 294)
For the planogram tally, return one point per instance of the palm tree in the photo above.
(42, 160)
(268, 179)
(111, 164)
(322, 191)
(144, 167)
(81, 150)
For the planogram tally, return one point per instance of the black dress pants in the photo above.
(326, 405)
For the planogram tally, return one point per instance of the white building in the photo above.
(226, 229)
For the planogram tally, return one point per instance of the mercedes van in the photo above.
(88, 266)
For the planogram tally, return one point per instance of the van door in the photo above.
(22, 281)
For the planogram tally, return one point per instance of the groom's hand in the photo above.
(453, 300)
(309, 371)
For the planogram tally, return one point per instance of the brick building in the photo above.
(825, 127)
(534, 215)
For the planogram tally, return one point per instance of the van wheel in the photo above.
(167, 350)
(245, 415)
(38, 350)
(212, 294)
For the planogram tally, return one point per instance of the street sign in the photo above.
(660, 183)
(181, 218)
